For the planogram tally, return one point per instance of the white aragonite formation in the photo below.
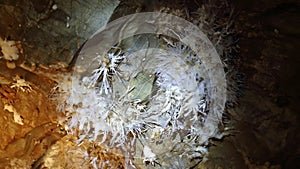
(167, 99)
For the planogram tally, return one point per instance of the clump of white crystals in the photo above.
(100, 106)
(165, 101)
(162, 101)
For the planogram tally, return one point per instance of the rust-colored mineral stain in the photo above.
(29, 140)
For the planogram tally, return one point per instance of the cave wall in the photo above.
(266, 120)
(52, 31)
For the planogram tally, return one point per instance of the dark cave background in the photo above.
(266, 118)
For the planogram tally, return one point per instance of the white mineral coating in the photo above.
(9, 49)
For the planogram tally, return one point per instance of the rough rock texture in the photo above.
(267, 117)
(52, 31)
(24, 141)
(265, 123)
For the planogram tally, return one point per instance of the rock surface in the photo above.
(265, 122)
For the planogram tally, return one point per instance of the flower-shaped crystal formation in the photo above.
(103, 74)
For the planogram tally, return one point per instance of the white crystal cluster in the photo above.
(98, 104)
(166, 100)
